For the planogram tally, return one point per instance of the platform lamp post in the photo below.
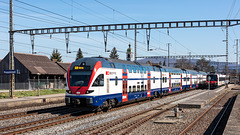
(38, 84)
(209, 79)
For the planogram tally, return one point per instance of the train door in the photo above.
(148, 84)
(161, 81)
(124, 86)
(191, 81)
(170, 88)
(181, 82)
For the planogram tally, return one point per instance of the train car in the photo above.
(104, 83)
(215, 80)
(202, 80)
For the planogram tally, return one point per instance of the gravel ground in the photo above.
(152, 128)
(203, 126)
(187, 116)
(77, 125)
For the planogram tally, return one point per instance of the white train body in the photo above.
(102, 82)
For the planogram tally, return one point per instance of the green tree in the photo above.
(114, 54)
(79, 54)
(212, 69)
(164, 63)
(203, 65)
(183, 63)
(160, 63)
(56, 55)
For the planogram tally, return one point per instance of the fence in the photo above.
(33, 84)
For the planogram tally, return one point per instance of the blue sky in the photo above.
(197, 40)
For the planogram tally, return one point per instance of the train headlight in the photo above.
(89, 91)
(69, 91)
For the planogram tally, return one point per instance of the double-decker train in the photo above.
(104, 83)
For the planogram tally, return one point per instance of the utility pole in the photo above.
(226, 50)
(168, 44)
(135, 45)
(236, 61)
(190, 59)
(11, 54)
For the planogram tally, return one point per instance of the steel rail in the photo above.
(194, 122)
(27, 113)
(213, 131)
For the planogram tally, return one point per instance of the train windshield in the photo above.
(79, 78)
(213, 77)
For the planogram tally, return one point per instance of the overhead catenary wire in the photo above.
(135, 20)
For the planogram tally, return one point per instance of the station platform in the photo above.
(233, 124)
(202, 99)
(10, 103)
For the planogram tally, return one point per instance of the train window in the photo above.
(154, 79)
(124, 68)
(129, 69)
(145, 87)
(144, 69)
(137, 69)
(141, 69)
(148, 69)
(99, 81)
(142, 88)
(138, 88)
(188, 79)
(112, 65)
(134, 69)
(134, 88)
(163, 79)
(116, 80)
(184, 79)
(130, 89)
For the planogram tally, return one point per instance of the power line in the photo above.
(136, 21)
(50, 12)
(231, 9)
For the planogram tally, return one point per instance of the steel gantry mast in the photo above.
(185, 56)
(126, 26)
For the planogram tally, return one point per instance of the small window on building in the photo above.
(154, 79)
(145, 87)
(163, 80)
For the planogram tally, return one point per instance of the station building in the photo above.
(33, 71)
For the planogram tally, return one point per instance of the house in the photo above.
(34, 71)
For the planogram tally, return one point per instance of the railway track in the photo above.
(30, 113)
(125, 125)
(35, 125)
(39, 124)
(216, 125)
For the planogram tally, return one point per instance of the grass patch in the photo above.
(31, 93)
